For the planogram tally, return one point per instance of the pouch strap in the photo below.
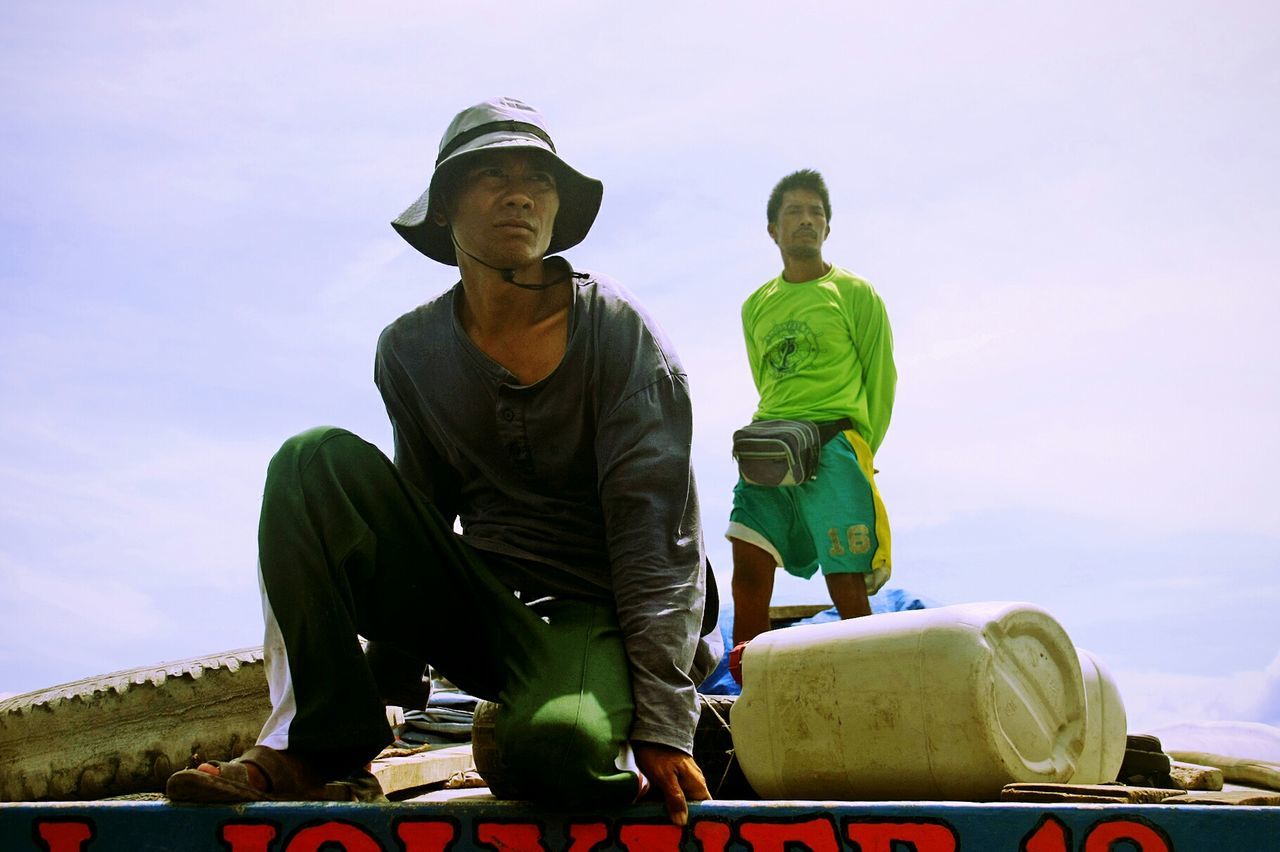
(827, 431)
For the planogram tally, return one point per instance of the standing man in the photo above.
(820, 349)
(545, 411)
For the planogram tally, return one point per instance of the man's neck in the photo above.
(492, 302)
(798, 269)
(525, 331)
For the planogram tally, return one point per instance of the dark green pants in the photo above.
(348, 547)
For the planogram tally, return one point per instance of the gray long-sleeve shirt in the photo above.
(585, 473)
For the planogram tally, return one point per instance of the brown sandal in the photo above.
(286, 781)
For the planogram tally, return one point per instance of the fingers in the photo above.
(673, 796)
(674, 775)
(695, 785)
(681, 784)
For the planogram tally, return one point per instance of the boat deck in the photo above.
(470, 822)
(430, 818)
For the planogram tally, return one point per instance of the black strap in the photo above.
(827, 431)
(711, 610)
(493, 127)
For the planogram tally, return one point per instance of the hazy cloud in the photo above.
(1069, 209)
(1156, 699)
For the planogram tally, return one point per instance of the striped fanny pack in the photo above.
(783, 452)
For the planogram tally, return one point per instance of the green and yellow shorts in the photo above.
(835, 523)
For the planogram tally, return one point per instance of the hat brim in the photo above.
(579, 200)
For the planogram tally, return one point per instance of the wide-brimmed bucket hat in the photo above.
(499, 124)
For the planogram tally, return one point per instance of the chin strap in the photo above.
(508, 274)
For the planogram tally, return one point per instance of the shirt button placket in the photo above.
(511, 428)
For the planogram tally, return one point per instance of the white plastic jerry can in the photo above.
(947, 703)
(1105, 727)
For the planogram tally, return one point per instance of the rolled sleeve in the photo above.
(656, 553)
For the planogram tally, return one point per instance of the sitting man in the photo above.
(542, 408)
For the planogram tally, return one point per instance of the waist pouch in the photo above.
(783, 452)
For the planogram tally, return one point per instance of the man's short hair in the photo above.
(803, 179)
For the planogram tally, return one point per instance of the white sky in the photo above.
(1070, 210)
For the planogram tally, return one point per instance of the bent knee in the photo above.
(329, 442)
(303, 445)
(555, 756)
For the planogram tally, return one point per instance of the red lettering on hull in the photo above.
(352, 838)
(1049, 836)
(585, 836)
(818, 831)
(818, 834)
(881, 836)
(420, 835)
(64, 835)
(1146, 837)
(248, 836)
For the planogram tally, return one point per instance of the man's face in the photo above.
(504, 208)
(801, 224)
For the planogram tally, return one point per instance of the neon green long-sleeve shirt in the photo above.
(821, 350)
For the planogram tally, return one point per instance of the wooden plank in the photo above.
(401, 769)
(1190, 776)
(1226, 797)
(1240, 770)
(1102, 793)
(795, 612)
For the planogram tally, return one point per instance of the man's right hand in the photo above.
(673, 774)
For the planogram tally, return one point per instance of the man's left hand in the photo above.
(673, 774)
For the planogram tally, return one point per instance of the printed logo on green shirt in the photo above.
(789, 347)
